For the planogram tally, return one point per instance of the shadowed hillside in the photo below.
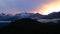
(30, 26)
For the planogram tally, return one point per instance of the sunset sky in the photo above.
(33, 6)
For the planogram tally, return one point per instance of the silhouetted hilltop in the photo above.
(23, 25)
(30, 26)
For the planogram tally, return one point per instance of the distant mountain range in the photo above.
(53, 15)
(29, 15)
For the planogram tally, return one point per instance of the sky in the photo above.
(20, 6)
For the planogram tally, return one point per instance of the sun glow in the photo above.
(50, 7)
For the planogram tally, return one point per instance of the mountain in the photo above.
(52, 15)
(36, 16)
(10, 17)
(25, 25)
(4, 17)
(55, 15)
(26, 15)
(30, 26)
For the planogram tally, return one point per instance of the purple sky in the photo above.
(16, 6)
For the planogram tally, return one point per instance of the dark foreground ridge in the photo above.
(29, 26)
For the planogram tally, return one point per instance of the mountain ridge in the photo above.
(29, 15)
